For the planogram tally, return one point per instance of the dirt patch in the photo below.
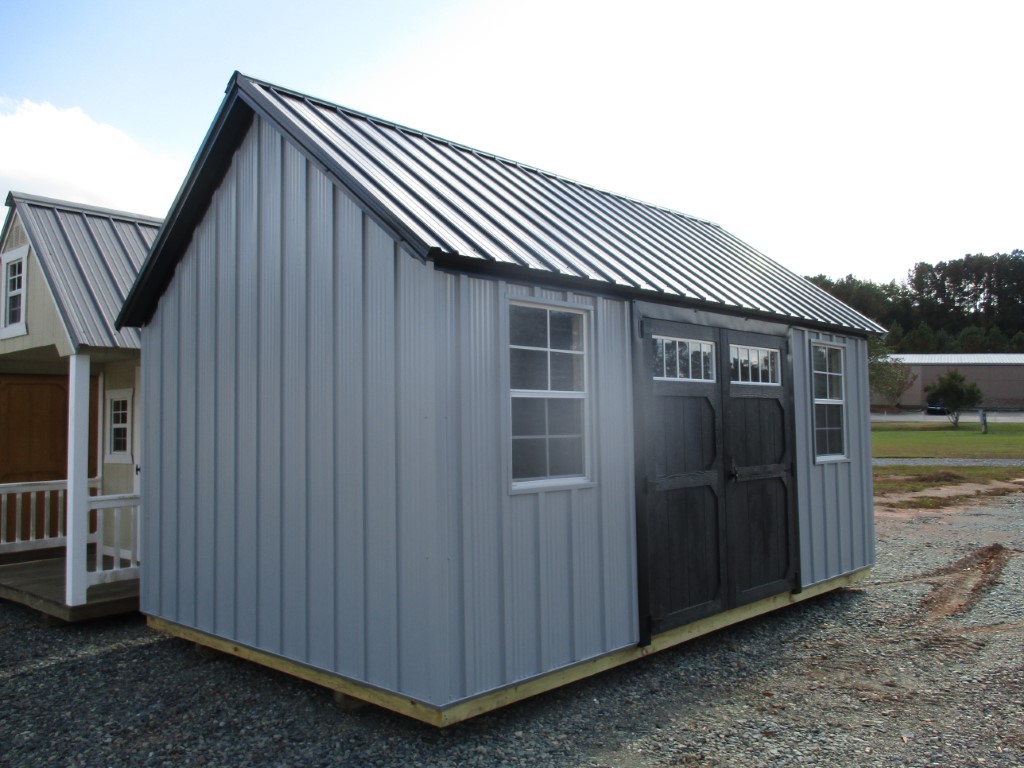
(958, 586)
(949, 499)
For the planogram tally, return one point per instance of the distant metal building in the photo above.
(999, 376)
(441, 431)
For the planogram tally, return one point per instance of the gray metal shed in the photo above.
(441, 431)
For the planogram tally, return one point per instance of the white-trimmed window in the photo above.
(754, 365)
(118, 435)
(548, 389)
(829, 401)
(13, 272)
(686, 359)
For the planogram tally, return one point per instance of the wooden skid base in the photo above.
(486, 702)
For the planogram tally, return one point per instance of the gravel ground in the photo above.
(948, 462)
(920, 666)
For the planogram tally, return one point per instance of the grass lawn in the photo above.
(925, 440)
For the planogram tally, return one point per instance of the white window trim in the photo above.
(20, 328)
(696, 380)
(109, 455)
(772, 351)
(586, 395)
(826, 458)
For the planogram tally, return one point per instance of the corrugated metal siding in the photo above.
(836, 509)
(327, 463)
(90, 257)
(473, 204)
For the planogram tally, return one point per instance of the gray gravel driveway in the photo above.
(880, 675)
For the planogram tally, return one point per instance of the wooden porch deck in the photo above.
(39, 584)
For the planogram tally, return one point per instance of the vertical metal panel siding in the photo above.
(188, 383)
(321, 456)
(421, 573)
(326, 438)
(350, 460)
(835, 502)
(270, 599)
(224, 324)
(569, 555)
(379, 412)
(480, 551)
(294, 415)
(246, 280)
(863, 529)
(613, 436)
(152, 382)
(205, 392)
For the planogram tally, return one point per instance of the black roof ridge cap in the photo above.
(464, 147)
(70, 205)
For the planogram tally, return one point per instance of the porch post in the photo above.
(77, 520)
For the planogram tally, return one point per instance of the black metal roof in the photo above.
(90, 258)
(474, 210)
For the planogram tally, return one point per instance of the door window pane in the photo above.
(685, 359)
(754, 365)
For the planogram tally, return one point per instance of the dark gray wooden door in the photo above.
(759, 500)
(714, 472)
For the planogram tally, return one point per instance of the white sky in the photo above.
(844, 139)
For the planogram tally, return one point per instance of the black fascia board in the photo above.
(207, 171)
(453, 262)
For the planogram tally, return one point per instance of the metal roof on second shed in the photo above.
(445, 198)
(90, 257)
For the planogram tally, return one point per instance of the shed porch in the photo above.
(89, 572)
(41, 585)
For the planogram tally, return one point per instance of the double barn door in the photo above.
(716, 509)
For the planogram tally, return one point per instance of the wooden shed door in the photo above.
(34, 427)
(715, 509)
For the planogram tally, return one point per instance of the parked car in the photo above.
(936, 409)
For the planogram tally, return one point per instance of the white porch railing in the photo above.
(32, 515)
(114, 534)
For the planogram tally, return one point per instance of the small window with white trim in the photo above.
(119, 427)
(13, 268)
(686, 359)
(754, 365)
(829, 401)
(548, 391)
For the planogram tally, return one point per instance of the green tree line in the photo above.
(973, 304)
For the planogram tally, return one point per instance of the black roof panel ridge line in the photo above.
(323, 102)
(436, 196)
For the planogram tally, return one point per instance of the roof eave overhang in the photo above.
(517, 273)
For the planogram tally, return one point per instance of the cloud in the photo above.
(64, 153)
